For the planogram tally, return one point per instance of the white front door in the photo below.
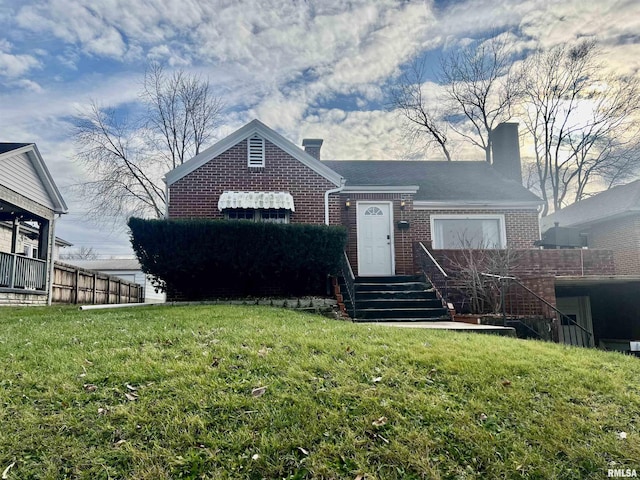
(577, 309)
(375, 242)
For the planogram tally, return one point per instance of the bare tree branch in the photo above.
(127, 159)
(582, 122)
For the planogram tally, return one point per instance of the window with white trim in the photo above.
(255, 151)
(468, 231)
(268, 215)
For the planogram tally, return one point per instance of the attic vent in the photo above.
(255, 151)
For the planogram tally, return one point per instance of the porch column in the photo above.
(43, 239)
(15, 234)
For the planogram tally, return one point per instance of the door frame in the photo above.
(392, 245)
(583, 314)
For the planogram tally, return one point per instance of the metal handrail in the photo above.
(349, 281)
(560, 314)
(435, 262)
(441, 286)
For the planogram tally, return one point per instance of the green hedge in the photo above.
(199, 259)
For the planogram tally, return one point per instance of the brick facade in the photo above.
(622, 236)
(537, 269)
(521, 226)
(196, 195)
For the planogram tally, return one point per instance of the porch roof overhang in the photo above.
(252, 199)
(578, 281)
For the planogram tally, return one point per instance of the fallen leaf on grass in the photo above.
(359, 477)
(215, 362)
(303, 450)
(622, 435)
(88, 362)
(5, 473)
(132, 397)
(130, 388)
(255, 456)
(380, 422)
(119, 443)
(258, 392)
(506, 383)
(376, 379)
(90, 387)
(483, 417)
(263, 351)
(103, 411)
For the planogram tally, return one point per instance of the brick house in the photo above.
(29, 203)
(394, 211)
(256, 174)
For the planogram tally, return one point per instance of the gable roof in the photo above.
(9, 152)
(250, 129)
(447, 182)
(615, 202)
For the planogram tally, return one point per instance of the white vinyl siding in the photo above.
(468, 231)
(255, 151)
(17, 173)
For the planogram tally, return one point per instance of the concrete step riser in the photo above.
(399, 295)
(397, 287)
(390, 304)
(422, 313)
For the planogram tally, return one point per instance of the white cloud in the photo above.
(15, 65)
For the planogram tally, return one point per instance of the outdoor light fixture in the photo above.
(347, 203)
(402, 204)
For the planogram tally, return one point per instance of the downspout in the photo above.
(326, 199)
(52, 247)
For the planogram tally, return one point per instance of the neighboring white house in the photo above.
(126, 269)
(27, 242)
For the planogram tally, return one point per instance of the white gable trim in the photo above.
(252, 128)
(43, 173)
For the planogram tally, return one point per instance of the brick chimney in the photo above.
(312, 146)
(505, 146)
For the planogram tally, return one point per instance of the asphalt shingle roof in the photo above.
(7, 147)
(610, 203)
(438, 181)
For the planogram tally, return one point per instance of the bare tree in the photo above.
(482, 88)
(479, 90)
(82, 253)
(582, 122)
(127, 158)
(423, 119)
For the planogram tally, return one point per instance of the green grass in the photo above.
(455, 405)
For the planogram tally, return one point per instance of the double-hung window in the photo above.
(468, 231)
(269, 215)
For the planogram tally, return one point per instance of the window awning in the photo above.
(256, 200)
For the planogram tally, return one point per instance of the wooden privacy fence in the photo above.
(80, 286)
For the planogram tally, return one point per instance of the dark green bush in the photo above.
(199, 259)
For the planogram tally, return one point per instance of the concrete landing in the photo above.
(457, 326)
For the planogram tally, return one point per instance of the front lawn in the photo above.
(253, 392)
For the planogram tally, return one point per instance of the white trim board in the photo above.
(380, 189)
(461, 205)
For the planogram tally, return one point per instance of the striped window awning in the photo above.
(276, 200)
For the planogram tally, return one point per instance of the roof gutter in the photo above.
(326, 199)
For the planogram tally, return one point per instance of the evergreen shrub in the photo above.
(203, 259)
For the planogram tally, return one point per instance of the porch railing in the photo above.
(18, 271)
(349, 281)
(520, 302)
(434, 273)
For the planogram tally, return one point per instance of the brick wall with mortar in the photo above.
(521, 226)
(537, 269)
(196, 195)
(622, 236)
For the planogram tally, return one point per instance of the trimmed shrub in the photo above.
(200, 259)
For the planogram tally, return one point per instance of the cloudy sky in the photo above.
(307, 68)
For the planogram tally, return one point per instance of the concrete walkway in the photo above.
(457, 326)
